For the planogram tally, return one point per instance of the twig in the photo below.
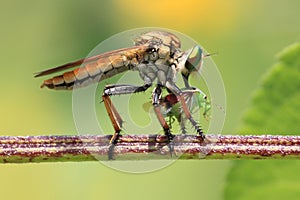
(24, 149)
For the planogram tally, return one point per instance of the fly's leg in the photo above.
(113, 114)
(189, 116)
(181, 121)
(175, 90)
(124, 89)
(116, 121)
(155, 101)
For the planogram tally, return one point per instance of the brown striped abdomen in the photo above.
(109, 65)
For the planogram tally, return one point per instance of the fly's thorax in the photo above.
(159, 70)
(158, 37)
(163, 52)
(157, 54)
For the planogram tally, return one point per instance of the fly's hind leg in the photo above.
(116, 121)
(113, 114)
(155, 101)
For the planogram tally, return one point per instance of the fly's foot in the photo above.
(113, 141)
(169, 135)
(170, 138)
(201, 134)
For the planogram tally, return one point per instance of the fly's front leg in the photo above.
(113, 114)
(175, 90)
(189, 116)
(188, 101)
(182, 125)
(155, 101)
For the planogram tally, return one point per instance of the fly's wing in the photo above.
(82, 61)
(67, 66)
(94, 69)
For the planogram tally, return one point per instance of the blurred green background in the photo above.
(36, 35)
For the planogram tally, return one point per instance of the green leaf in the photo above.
(275, 109)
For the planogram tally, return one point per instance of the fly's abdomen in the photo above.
(95, 71)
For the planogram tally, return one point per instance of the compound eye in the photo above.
(194, 60)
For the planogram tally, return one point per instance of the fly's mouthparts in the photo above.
(211, 54)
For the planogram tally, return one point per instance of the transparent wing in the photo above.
(87, 60)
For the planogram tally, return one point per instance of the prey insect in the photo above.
(172, 111)
(157, 57)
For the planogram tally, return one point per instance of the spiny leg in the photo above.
(189, 116)
(182, 121)
(175, 90)
(113, 114)
(155, 101)
(181, 118)
(188, 94)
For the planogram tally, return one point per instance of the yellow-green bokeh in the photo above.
(35, 35)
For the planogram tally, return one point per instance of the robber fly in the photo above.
(156, 56)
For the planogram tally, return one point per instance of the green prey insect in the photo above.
(195, 99)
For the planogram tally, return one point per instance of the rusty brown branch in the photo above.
(24, 149)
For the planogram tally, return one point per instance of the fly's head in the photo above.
(190, 62)
(193, 60)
